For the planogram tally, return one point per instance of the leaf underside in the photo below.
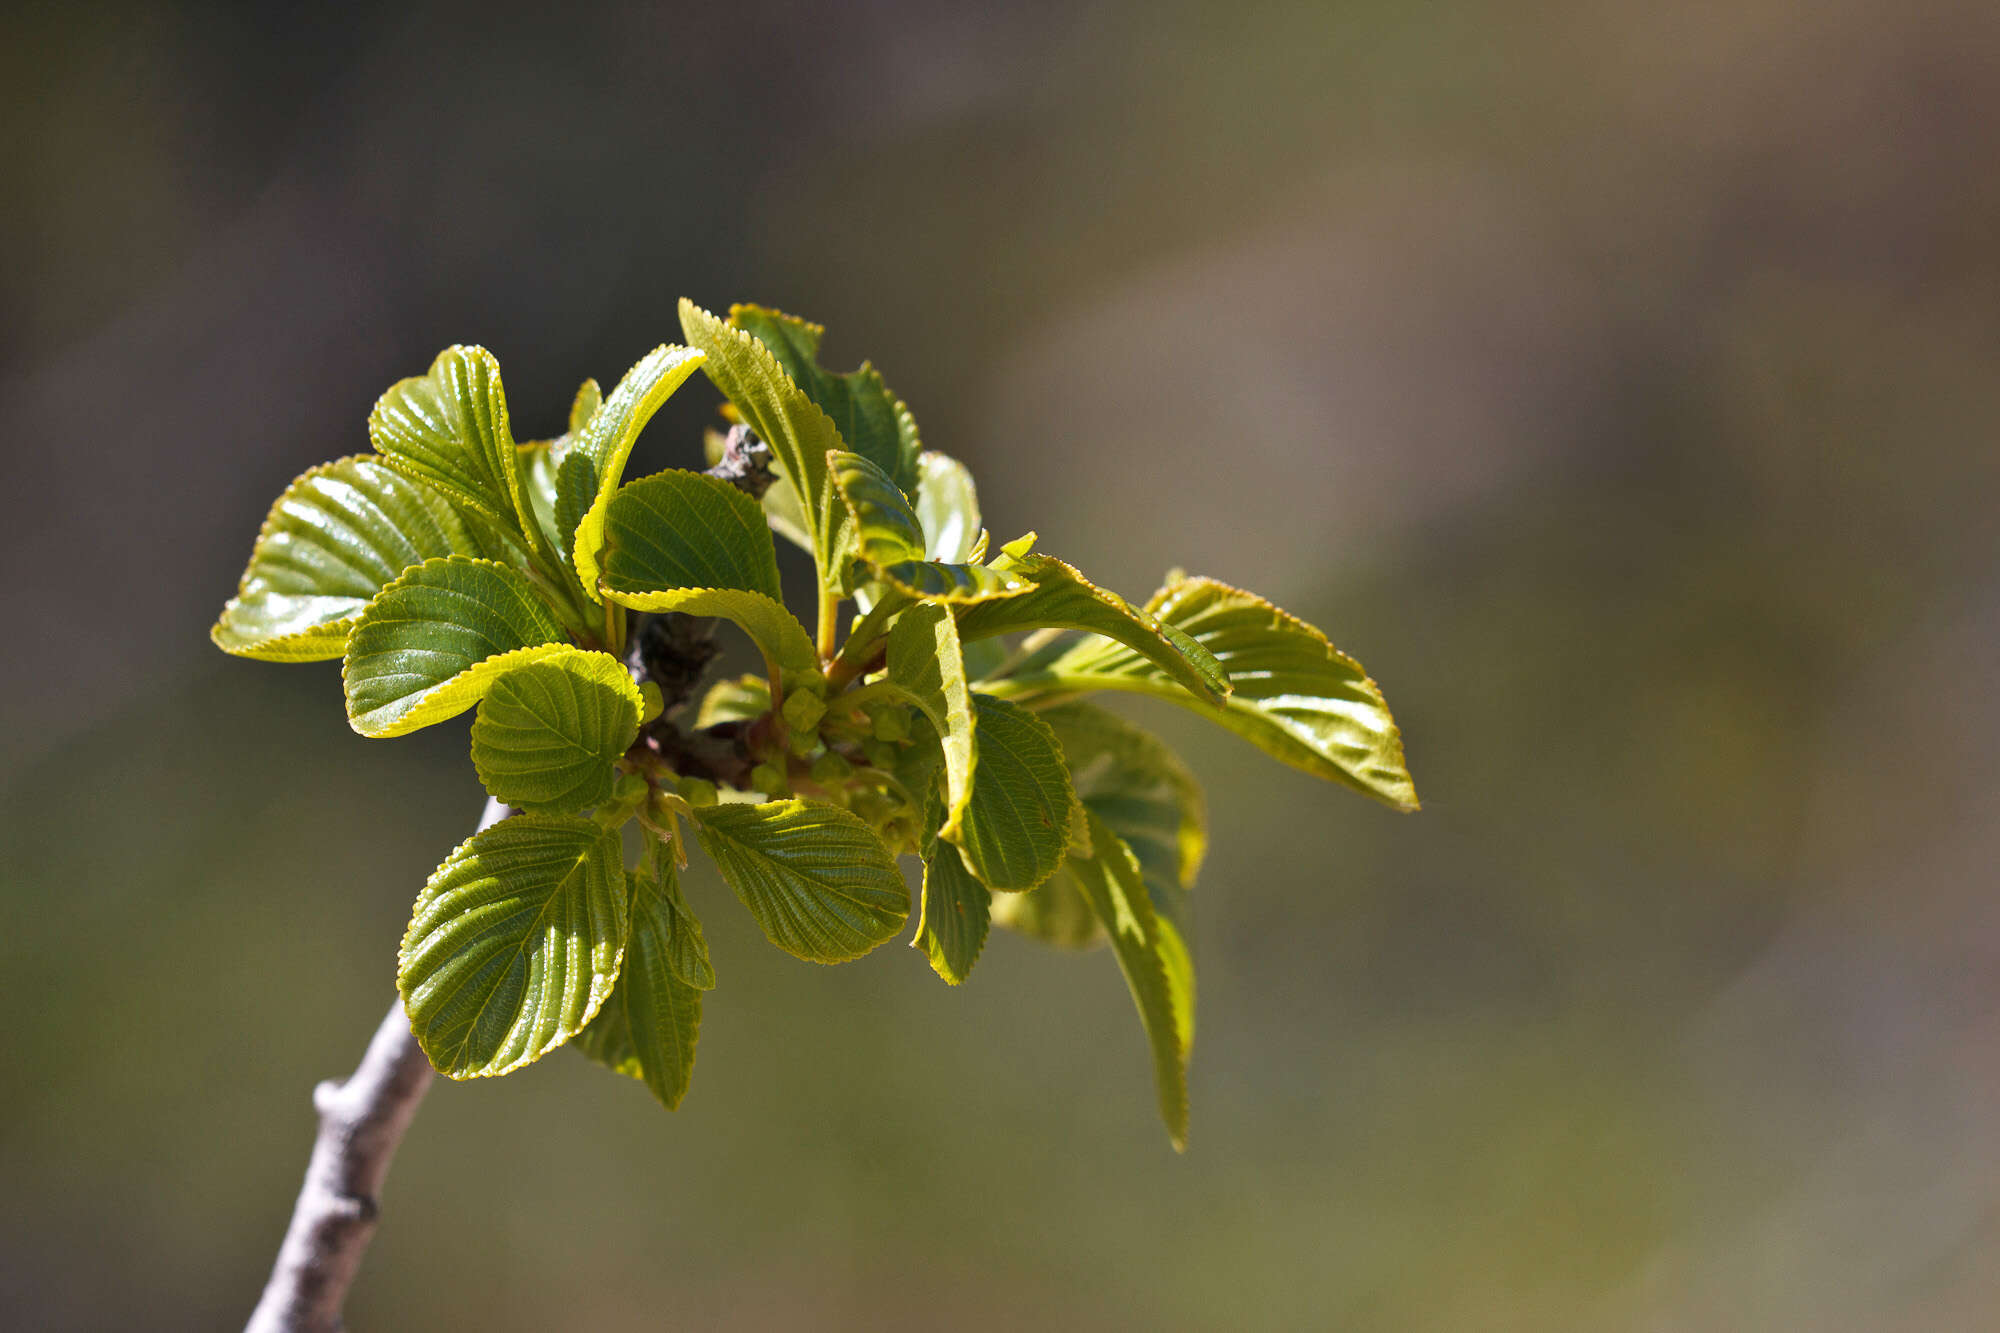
(649, 1025)
(1017, 822)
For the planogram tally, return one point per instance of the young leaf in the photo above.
(777, 633)
(1142, 791)
(597, 453)
(548, 731)
(736, 700)
(1056, 913)
(1065, 599)
(816, 878)
(449, 427)
(332, 541)
(925, 663)
(872, 421)
(948, 507)
(795, 427)
(432, 643)
(1017, 821)
(1298, 698)
(882, 531)
(514, 944)
(1110, 882)
(685, 530)
(589, 397)
(648, 1027)
(951, 928)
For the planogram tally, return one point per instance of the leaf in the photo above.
(951, 929)
(1142, 791)
(819, 882)
(331, 542)
(947, 505)
(549, 731)
(432, 643)
(514, 944)
(872, 421)
(795, 427)
(737, 700)
(777, 633)
(1017, 821)
(883, 532)
(1065, 599)
(1297, 697)
(680, 529)
(1110, 882)
(925, 663)
(1055, 913)
(449, 427)
(589, 397)
(648, 1027)
(598, 452)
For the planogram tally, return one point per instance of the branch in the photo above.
(360, 1123)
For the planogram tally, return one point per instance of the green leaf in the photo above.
(1055, 913)
(433, 642)
(598, 451)
(777, 633)
(925, 663)
(685, 530)
(1065, 599)
(948, 507)
(549, 731)
(648, 1027)
(795, 427)
(589, 397)
(952, 926)
(737, 700)
(1110, 882)
(514, 944)
(332, 541)
(1178, 964)
(1140, 788)
(870, 419)
(883, 532)
(816, 878)
(449, 427)
(1297, 697)
(1017, 821)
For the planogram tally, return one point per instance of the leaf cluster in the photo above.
(455, 568)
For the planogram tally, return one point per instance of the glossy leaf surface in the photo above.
(648, 1027)
(925, 663)
(818, 881)
(598, 452)
(549, 730)
(947, 504)
(449, 427)
(953, 921)
(431, 643)
(685, 530)
(514, 944)
(774, 629)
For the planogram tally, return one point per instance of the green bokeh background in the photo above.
(1617, 382)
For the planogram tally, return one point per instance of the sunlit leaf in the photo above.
(925, 663)
(598, 451)
(334, 539)
(549, 730)
(687, 530)
(1055, 913)
(1016, 823)
(1065, 599)
(872, 421)
(1110, 882)
(449, 427)
(883, 532)
(818, 881)
(947, 505)
(1297, 697)
(774, 629)
(430, 645)
(952, 925)
(737, 700)
(514, 944)
(648, 1027)
(1142, 791)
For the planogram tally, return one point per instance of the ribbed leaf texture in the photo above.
(924, 661)
(514, 944)
(816, 878)
(598, 451)
(1016, 823)
(777, 633)
(947, 505)
(549, 730)
(431, 643)
(449, 427)
(685, 530)
(953, 922)
(872, 421)
(334, 539)
(1143, 792)
(648, 1027)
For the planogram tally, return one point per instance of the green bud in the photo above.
(882, 754)
(803, 743)
(629, 789)
(771, 780)
(697, 792)
(830, 768)
(803, 712)
(892, 724)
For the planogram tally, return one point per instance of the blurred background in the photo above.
(1616, 381)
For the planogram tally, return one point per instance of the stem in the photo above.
(361, 1121)
(829, 619)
